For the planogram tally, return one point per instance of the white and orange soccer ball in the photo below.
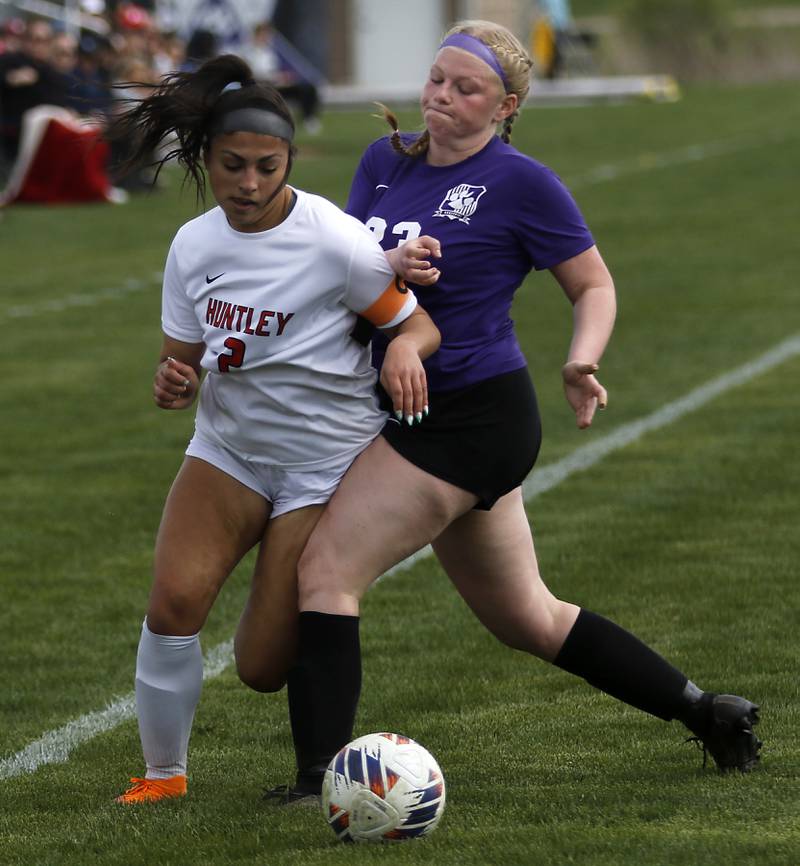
(383, 787)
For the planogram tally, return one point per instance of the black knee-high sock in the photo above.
(323, 690)
(616, 662)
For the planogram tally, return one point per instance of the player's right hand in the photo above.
(175, 385)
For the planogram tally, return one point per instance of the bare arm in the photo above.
(587, 283)
(402, 374)
(177, 378)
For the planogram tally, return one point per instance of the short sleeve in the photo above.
(362, 188)
(178, 317)
(549, 223)
(373, 289)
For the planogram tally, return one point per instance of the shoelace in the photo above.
(287, 794)
(700, 745)
(279, 792)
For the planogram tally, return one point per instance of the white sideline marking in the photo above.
(547, 477)
(650, 161)
(57, 305)
(55, 746)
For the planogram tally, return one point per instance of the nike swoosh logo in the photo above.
(210, 280)
(382, 186)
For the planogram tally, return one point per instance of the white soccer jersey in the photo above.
(285, 383)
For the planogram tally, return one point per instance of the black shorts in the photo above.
(483, 438)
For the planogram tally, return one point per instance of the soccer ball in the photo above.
(382, 787)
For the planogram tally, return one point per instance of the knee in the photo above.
(176, 610)
(260, 678)
(541, 632)
(261, 681)
(525, 637)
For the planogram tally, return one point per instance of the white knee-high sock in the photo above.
(169, 677)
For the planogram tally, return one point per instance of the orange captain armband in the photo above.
(394, 299)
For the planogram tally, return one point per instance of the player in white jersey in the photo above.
(261, 295)
(285, 382)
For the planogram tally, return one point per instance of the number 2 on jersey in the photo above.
(236, 356)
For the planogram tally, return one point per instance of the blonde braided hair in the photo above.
(512, 57)
(510, 54)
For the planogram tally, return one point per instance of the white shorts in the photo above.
(286, 490)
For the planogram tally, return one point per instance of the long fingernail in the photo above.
(425, 410)
(409, 420)
(418, 417)
(398, 414)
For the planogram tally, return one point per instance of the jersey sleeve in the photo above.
(178, 317)
(374, 290)
(550, 225)
(362, 188)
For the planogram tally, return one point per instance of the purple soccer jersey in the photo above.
(497, 214)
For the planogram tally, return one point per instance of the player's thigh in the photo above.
(266, 639)
(490, 558)
(384, 509)
(209, 523)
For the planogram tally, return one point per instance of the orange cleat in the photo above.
(150, 790)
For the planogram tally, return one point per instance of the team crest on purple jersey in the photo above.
(461, 202)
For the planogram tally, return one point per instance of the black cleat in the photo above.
(728, 736)
(285, 795)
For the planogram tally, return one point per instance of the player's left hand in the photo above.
(404, 380)
(584, 393)
(412, 260)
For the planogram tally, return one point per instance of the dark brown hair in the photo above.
(182, 111)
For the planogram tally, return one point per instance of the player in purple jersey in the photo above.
(464, 217)
(497, 205)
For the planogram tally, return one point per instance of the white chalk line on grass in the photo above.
(89, 299)
(653, 160)
(55, 746)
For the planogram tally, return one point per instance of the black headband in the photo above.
(253, 119)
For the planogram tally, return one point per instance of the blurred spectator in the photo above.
(133, 16)
(133, 28)
(11, 35)
(27, 79)
(64, 54)
(269, 63)
(64, 60)
(558, 46)
(302, 28)
(202, 46)
(549, 33)
(168, 52)
(90, 82)
(134, 79)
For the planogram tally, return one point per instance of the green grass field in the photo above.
(687, 536)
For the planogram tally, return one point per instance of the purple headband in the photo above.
(479, 49)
